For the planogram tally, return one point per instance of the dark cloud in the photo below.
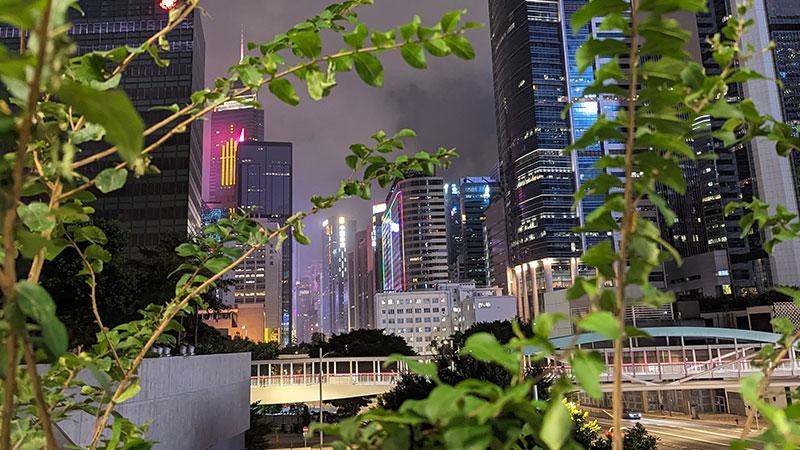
(449, 104)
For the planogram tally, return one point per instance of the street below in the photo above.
(679, 433)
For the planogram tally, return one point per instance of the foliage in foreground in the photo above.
(57, 104)
(640, 63)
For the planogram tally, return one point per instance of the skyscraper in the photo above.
(258, 280)
(232, 124)
(415, 235)
(264, 187)
(717, 260)
(338, 240)
(307, 297)
(362, 276)
(473, 259)
(497, 245)
(377, 243)
(160, 204)
(535, 78)
(452, 205)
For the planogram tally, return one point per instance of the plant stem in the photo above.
(172, 310)
(8, 278)
(42, 411)
(628, 223)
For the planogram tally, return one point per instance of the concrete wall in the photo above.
(192, 403)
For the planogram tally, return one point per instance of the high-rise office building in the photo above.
(378, 212)
(497, 245)
(307, 297)
(161, 204)
(535, 78)
(717, 260)
(264, 187)
(338, 240)
(473, 257)
(783, 17)
(452, 205)
(258, 280)
(415, 235)
(362, 277)
(232, 124)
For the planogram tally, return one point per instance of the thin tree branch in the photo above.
(8, 277)
(42, 411)
(629, 217)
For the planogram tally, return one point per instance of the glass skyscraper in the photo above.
(264, 187)
(170, 202)
(338, 240)
(535, 78)
(468, 256)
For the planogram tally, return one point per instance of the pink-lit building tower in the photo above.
(230, 124)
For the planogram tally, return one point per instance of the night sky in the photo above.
(449, 104)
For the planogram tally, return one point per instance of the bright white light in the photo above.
(341, 220)
(166, 5)
(379, 208)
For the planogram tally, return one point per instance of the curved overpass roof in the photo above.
(693, 332)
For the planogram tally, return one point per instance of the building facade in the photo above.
(378, 211)
(717, 260)
(264, 187)
(161, 204)
(426, 317)
(535, 78)
(452, 204)
(362, 276)
(477, 194)
(338, 241)
(497, 245)
(306, 305)
(414, 233)
(231, 125)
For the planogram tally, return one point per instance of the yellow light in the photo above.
(341, 220)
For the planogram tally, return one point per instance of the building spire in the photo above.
(241, 46)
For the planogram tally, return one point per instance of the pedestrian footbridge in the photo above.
(673, 358)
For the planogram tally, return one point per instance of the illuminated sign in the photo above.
(228, 160)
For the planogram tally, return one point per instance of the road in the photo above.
(681, 434)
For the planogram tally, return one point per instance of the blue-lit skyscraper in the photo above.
(535, 78)
(468, 201)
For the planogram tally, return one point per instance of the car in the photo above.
(632, 415)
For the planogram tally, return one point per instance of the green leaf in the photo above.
(36, 216)
(356, 38)
(283, 89)
(369, 68)
(460, 46)
(97, 252)
(556, 425)
(111, 179)
(217, 265)
(129, 391)
(468, 436)
(450, 20)
(113, 111)
(485, 347)
(587, 368)
(596, 8)
(428, 370)
(307, 43)
(90, 233)
(414, 55)
(602, 322)
(31, 243)
(35, 302)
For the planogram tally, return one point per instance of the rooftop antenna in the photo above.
(241, 46)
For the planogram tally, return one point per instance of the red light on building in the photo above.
(167, 5)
